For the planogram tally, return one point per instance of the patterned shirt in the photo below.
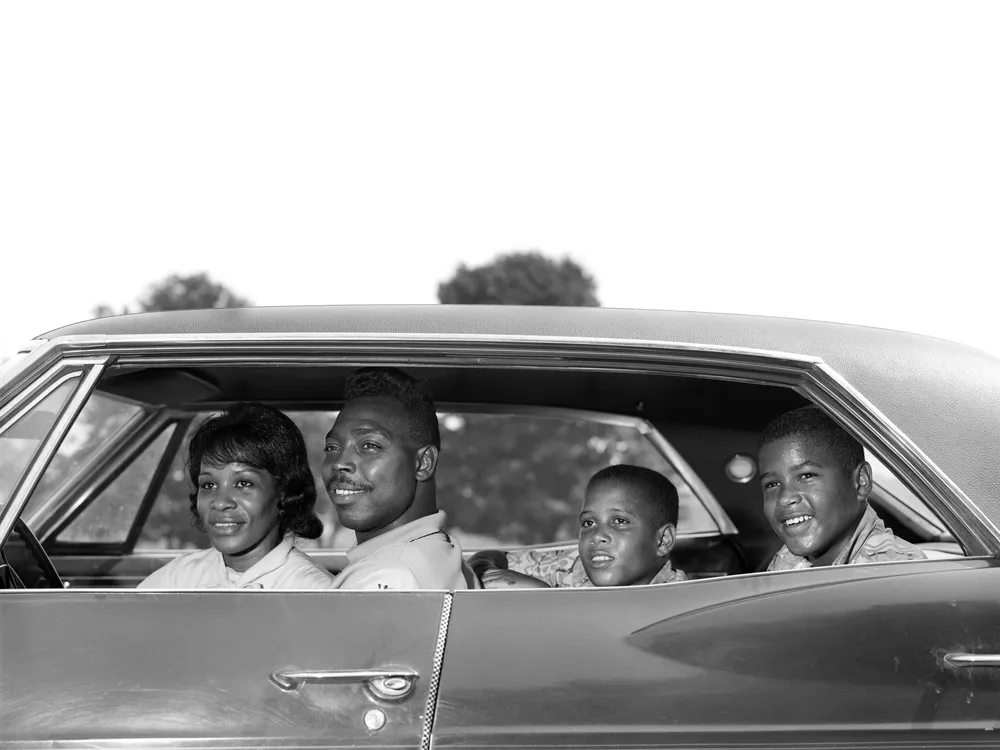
(563, 568)
(872, 542)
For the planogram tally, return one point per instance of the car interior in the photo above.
(518, 446)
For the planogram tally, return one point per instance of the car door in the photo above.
(861, 654)
(270, 668)
(217, 668)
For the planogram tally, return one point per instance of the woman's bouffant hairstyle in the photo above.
(372, 382)
(262, 437)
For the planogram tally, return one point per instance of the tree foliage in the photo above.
(526, 278)
(176, 292)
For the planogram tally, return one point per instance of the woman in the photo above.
(253, 495)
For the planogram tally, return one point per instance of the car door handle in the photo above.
(389, 684)
(972, 660)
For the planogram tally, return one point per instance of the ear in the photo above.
(665, 538)
(427, 459)
(863, 481)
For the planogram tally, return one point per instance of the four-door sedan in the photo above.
(94, 420)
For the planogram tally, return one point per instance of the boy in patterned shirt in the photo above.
(627, 528)
(816, 484)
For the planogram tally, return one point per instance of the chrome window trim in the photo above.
(808, 375)
(71, 409)
(8, 417)
(978, 535)
(69, 498)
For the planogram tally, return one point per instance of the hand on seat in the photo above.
(494, 578)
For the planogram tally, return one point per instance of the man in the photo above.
(378, 468)
(816, 484)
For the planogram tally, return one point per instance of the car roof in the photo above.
(945, 396)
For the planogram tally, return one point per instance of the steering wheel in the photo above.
(39, 572)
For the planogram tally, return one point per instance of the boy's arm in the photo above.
(494, 578)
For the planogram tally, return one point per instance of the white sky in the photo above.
(836, 160)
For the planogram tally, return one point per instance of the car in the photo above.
(93, 424)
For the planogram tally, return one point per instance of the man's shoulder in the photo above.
(301, 571)
(379, 573)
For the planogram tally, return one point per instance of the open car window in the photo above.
(513, 479)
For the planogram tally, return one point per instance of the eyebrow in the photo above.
(359, 432)
(613, 510)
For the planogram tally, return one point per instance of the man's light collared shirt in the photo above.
(284, 567)
(417, 555)
(871, 542)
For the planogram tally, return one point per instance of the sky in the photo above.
(826, 160)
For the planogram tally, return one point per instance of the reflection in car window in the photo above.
(109, 517)
(21, 439)
(101, 417)
(503, 479)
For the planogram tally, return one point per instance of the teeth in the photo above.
(347, 492)
(226, 525)
(797, 520)
(600, 558)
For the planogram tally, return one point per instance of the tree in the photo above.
(526, 278)
(194, 292)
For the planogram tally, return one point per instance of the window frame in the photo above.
(807, 375)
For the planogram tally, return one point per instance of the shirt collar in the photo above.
(424, 526)
(869, 523)
(267, 564)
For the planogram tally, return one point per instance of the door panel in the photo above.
(91, 665)
(852, 650)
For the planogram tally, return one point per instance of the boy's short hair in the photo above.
(372, 382)
(658, 493)
(812, 423)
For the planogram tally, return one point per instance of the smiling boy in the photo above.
(379, 463)
(628, 525)
(816, 484)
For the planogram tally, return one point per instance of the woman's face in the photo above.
(239, 506)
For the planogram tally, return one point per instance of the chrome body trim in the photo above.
(47, 449)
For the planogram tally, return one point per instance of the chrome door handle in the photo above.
(389, 684)
(972, 660)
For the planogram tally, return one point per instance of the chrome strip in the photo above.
(48, 448)
(435, 683)
(978, 535)
(34, 397)
(140, 437)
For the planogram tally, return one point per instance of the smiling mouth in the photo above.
(225, 527)
(345, 491)
(601, 559)
(790, 523)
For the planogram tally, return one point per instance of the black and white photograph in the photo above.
(442, 375)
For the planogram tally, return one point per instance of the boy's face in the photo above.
(811, 501)
(619, 543)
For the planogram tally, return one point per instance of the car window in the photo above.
(100, 418)
(109, 518)
(21, 439)
(507, 480)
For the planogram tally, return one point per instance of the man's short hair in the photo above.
(657, 493)
(812, 423)
(372, 382)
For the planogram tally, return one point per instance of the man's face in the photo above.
(811, 501)
(619, 544)
(371, 465)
